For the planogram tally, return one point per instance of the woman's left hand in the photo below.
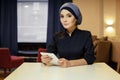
(64, 62)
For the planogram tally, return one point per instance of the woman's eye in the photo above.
(69, 15)
(61, 16)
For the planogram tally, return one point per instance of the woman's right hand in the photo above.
(46, 59)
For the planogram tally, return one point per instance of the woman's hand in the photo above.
(46, 59)
(64, 62)
(69, 63)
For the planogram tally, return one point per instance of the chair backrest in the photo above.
(4, 57)
(39, 55)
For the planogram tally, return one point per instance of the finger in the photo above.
(45, 59)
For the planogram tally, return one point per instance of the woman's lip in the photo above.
(65, 24)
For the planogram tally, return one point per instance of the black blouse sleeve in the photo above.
(52, 46)
(89, 50)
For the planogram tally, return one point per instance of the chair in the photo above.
(7, 61)
(102, 50)
(116, 54)
(39, 55)
(118, 67)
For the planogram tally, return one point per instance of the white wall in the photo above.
(96, 12)
(92, 17)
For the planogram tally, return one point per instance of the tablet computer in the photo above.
(53, 56)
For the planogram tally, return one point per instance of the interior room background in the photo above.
(95, 14)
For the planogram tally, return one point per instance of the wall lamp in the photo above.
(109, 30)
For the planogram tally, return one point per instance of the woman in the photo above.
(74, 47)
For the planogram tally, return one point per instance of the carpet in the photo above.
(2, 76)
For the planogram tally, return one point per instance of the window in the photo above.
(32, 20)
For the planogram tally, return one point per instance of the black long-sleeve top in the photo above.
(78, 45)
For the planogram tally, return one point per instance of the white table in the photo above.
(38, 71)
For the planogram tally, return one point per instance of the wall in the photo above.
(96, 12)
(92, 15)
(118, 18)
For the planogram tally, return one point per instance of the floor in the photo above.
(2, 76)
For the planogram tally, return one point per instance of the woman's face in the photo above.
(67, 19)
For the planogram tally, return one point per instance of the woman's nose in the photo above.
(65, 19)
